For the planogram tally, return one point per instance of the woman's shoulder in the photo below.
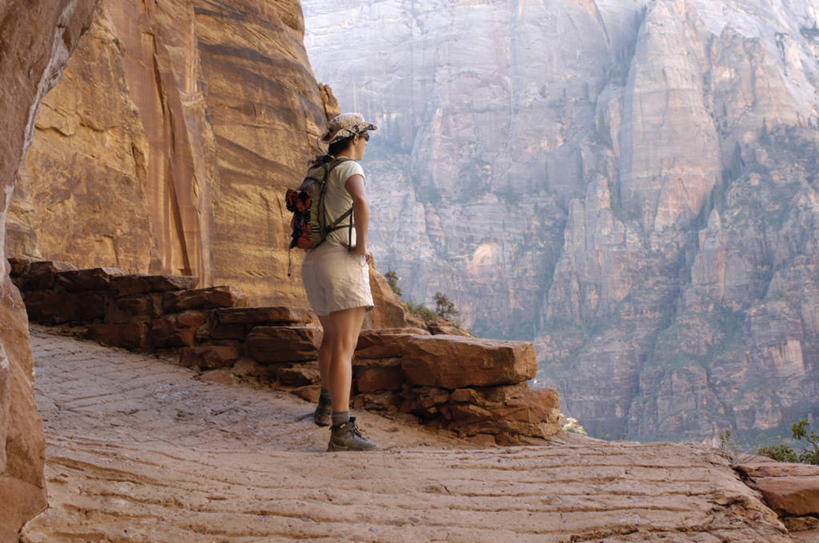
(349, 168)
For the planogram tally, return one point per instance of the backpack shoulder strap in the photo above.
(337, 161)
(337, 223)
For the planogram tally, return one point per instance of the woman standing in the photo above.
(336, 278)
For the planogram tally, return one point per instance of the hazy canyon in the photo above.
(630, 184)
(660, 278)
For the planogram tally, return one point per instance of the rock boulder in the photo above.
(205, 298)
(385, 343)
(277, 344)
(790, 489)
(457, 362)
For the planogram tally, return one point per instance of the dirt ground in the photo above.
(142, 450)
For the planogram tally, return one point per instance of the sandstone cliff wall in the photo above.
(36, 38)
(629, 183)
(168, 143)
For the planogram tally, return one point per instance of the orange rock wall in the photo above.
(169, 142)
(36, 37)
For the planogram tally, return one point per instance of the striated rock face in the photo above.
(36, 38)
(630, 184)
(168, 144)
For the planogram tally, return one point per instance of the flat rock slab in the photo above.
(385, 342)
(129, 285)
(791, 489)
(142, 450)
(791, 495)
(209, 357)
(262, 315)
(18, 266)
(57, 307)
(275, 344)
(203, 298)
(87, 279)
(41, 274)
(374, 379)
(129, 335)
(236, 322)
(459, 362)
(777, 469)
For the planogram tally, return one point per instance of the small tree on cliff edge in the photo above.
(392, 280)
(784, 453)
(444, 308)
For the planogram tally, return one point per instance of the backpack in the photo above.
(309, 223)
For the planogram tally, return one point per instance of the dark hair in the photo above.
(340, 146)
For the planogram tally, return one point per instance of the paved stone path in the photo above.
(142, 450)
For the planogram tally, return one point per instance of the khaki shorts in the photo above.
(335, 279)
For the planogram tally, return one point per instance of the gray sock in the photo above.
(340, 417)
(324, 396)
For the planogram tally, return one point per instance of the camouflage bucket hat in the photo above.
(345, 126)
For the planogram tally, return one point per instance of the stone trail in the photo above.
(142, 450)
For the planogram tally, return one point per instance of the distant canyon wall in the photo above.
(168, 143)
(632, 184)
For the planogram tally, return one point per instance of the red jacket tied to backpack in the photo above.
(309, 223)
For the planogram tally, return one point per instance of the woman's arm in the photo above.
(361, 213)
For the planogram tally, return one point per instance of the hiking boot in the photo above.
(324, 409)
(346, 437)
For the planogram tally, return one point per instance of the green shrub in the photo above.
(392, 280)
(573, 426)
(420, 310)
(727, 443)
(809, 457)
(780, 453)
(800, 431)
(444, 308)
(784, 453)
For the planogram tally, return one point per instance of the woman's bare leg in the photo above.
(341, 330)
(324, 353)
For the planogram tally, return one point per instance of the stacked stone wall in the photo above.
(474, 387)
